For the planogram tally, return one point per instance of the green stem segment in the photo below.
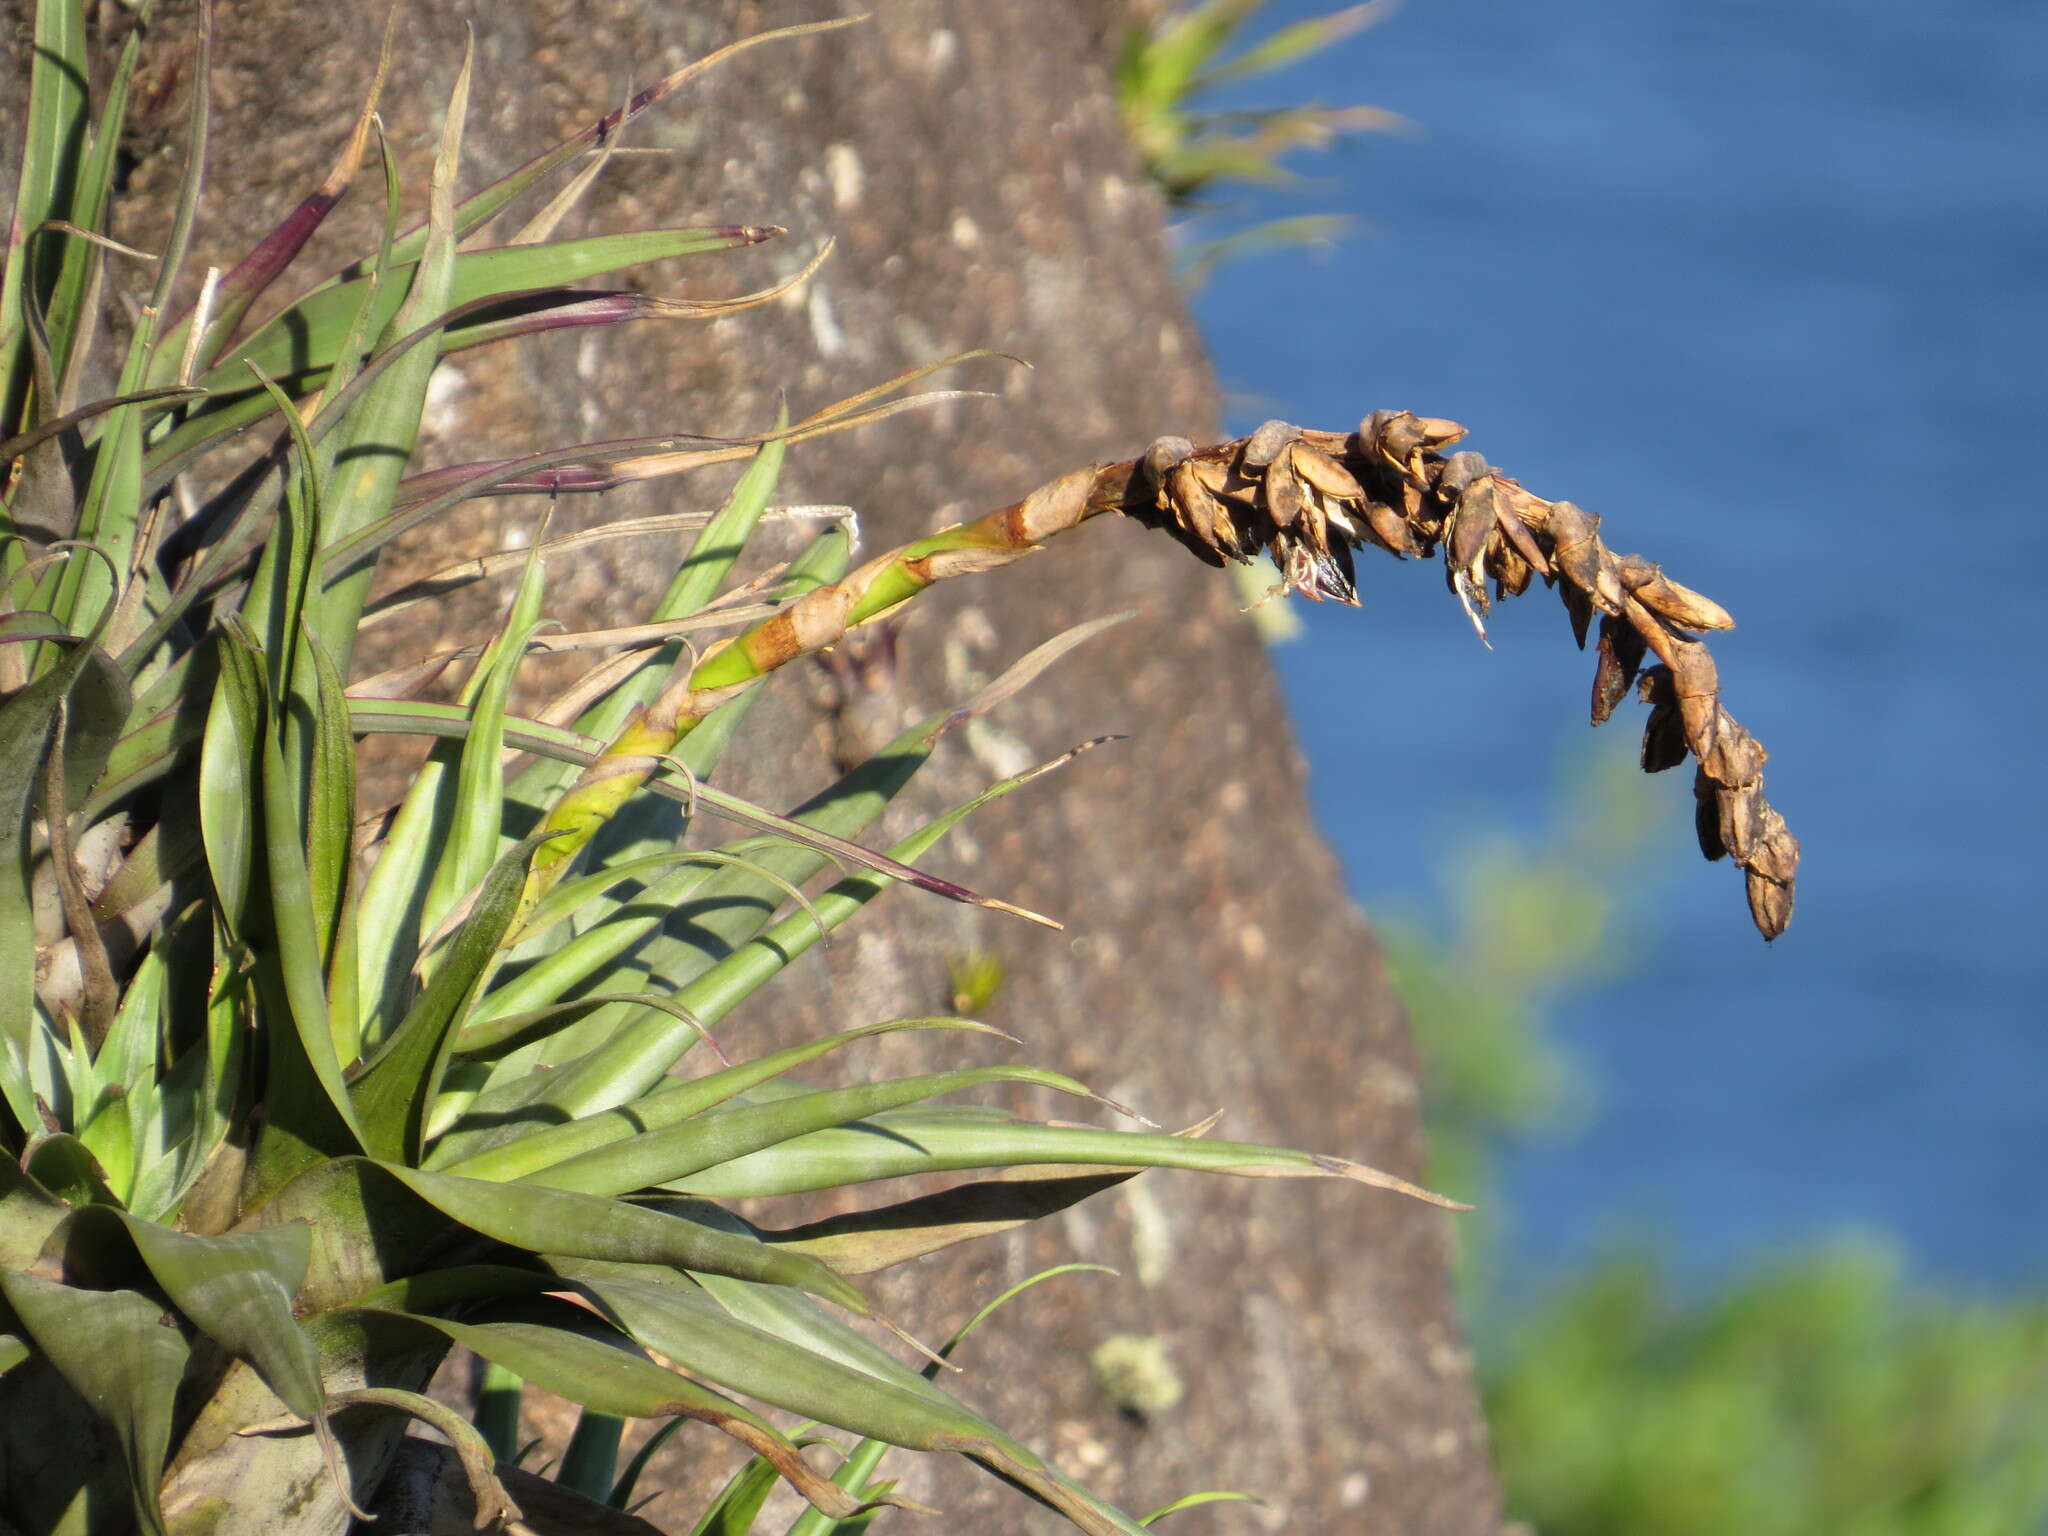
(819, 619)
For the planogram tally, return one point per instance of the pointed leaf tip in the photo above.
(1343, 1168)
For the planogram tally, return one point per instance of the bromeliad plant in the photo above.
(293, 1098)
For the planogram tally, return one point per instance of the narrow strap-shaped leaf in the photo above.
(685, 1326)
(672, 1155)
(669, 1106)
(116, 1351)
(732, 1512)
(862, 1242)
(383, 429)
(570, 1354)
(701, 574)
(71, 322)
(477, 820)
(398, 1086)
(330, 841)
(865, 1459)
(851, 1155)
(592, 1456)
(52, 146)
(27, 722)
(562, 1221)
(309, 1113)
(227, 782)
(1196, 1500)
(304, 339)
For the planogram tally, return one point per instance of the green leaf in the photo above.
(97, 712)
(302, 341)
(592, 1455)
(684, 1325)
(733, 1511)
(237, 1289)
(538, 1149)
(564, 1350)
(476, 822)
(27, 721)
(1196, 1500)
(116, 1351)
(29, 1213)
(673, 1155)
(892, 1146)
(227, 782)
(63, 1165)
(330, 841)
(728, 909)
(562, 1221)
(862, 1242)
(865, 1459)
(397, 1088)
(52, 146)
(384, 426)
(309, 1113)
(710, 561)
(501, 1036)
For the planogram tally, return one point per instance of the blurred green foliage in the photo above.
(1178, 58)
(1823, 1394)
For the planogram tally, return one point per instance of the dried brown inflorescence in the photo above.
(1308, 498)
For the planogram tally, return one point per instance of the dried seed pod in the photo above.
(1664, 732)
(1777, 850)
(1681, 605)
(1471, 522)
(1165, 454)
(1326, 474)
(1197, 512)
(1738, 758)
(1515, 531)
(1390, 529)
(1264, 445)
(1580, 607)
(1706, 816)
(1621, 656)
(1459, 473)
(1770, 905)
(1281, 491)
(1511, 573)
(1634, 570)
(1741, 822)
(1697, 684)
(1575, 546)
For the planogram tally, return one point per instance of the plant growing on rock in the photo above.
(296, 1093)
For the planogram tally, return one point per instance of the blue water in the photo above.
(1767, 286)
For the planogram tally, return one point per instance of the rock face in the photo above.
(968, 160)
